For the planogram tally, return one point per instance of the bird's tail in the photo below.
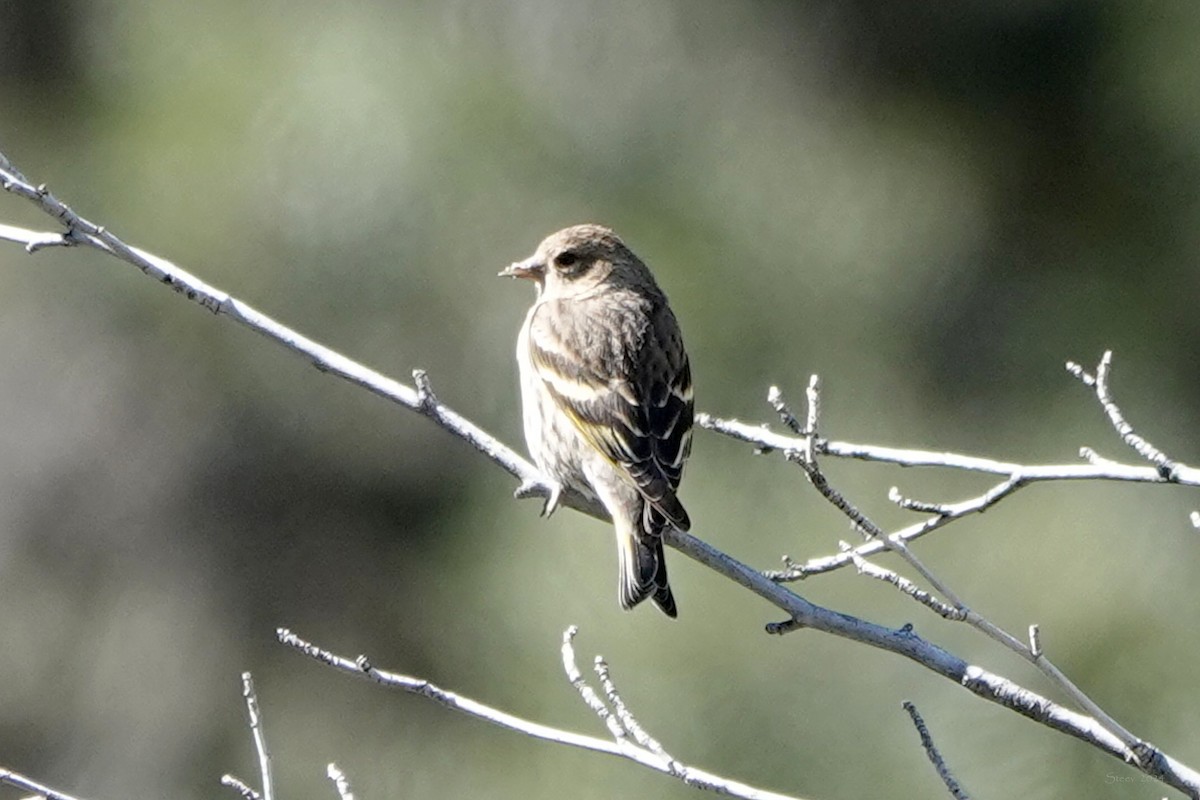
(643, 569)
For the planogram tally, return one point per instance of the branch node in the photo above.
(955, 612)
(791, 571)
(51, 240)
(1167, 469)
(363, 664)
(426, 400)
(786, 626)
(775, 398)
(1147, 757)
(1035, 641)
(909, 504)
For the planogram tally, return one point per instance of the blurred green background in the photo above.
(932, 205)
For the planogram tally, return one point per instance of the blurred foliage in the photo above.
(932, 205)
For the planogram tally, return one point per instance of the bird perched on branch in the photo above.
(607, 395)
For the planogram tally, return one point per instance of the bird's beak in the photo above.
(530, 269)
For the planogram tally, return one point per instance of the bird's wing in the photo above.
(623, 378)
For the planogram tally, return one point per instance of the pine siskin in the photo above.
(607, 395)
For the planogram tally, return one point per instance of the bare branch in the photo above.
(620, 746)
(81, 231)
(801, 613)
(935, 757)
(957, 610)
(1017, 476)
(589, 696)
(905, 585)
(260, 738)
(240, 786)
(628, 720)
(771, 441)
(340, 781)
(807, 461)
(775, 398)
(19, 781)
(816, 477)
(944, 514)
(260, 748)
(1035, 654)
(33, 240)
(619, 719)
(1165, 466)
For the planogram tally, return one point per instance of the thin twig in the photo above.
(908, 587)
(958, 611)
(240, 786)
(628, 720)
(340, 781)
(955, 609)
(589, 695)
(260, 737)
(82, 231)
(860, 522)
(775, 398)
(621, 746)
(19, 781)
(807, 461)
(771, 441)
(1165, 466)
(935, 757)
(812, 395)
(943, 515)
(1048, 668)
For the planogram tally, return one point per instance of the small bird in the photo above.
(606, 391)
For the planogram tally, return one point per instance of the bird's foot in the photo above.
(552, 501)
(527, 489)
(533, 488)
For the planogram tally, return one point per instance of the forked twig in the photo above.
(802, 613)
(625, 731)
(260, 748)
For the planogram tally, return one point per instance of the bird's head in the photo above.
(578, 260)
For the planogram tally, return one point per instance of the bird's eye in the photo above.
(566, 259)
